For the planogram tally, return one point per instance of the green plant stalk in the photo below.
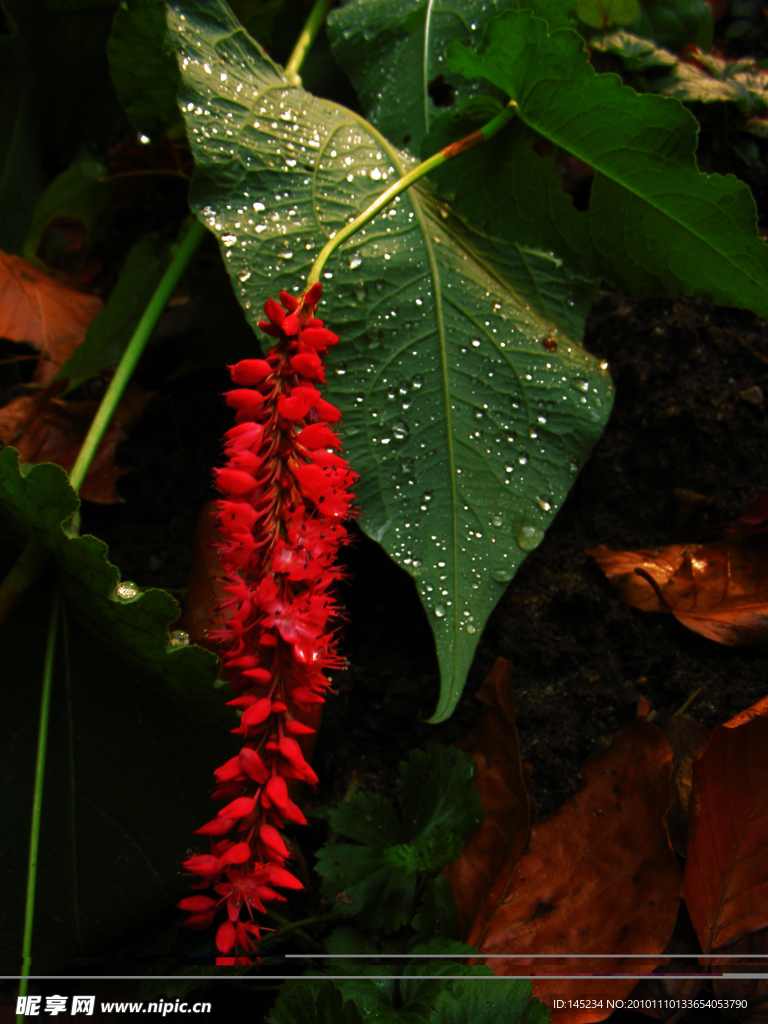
(134, 351)
(436, 160)
(308, 35)
(33, 560)
(37, 796)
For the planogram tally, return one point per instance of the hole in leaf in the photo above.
(441, 92)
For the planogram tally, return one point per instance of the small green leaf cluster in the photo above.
(425, 991)
(392, 862)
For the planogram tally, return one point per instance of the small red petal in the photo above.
(298, 728)
(245, 399)
(239, 808)
(290, 325)
(204, 864)
(217, 827)
(229, 770)
(290, 302)
(250, 371)
(274, 312)
(237, 854)
(257, 713)
(318, 435)
(279, 876)
(225, 937)
(272, 838)
(253, 766)
(233, 481)
(312, 297)
(197, 904)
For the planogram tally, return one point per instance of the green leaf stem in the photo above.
(468, 403)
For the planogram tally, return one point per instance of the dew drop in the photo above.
(496, 520)
(503, 575)
(440, 611)
(127, 590)
(179, 638)
(355, 260)
(341, 369)
(529, 536)
(417, 380)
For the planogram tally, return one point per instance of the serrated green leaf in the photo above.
(660, 225)
(437, 916)
(437, 789)
(466, 431)
(741, 82)
(394, 54)
(367, 886)
(368, 818)
(375, 882)
(675, 23)
(81, 193)
(135, 728)
(487, 1002)
(312, 1002)
(110, 331)
(143, 69)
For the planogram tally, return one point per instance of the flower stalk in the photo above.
(285, 495)
(442, 156)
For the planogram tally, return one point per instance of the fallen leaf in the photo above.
(501, 837)
(599, 877)
(719, 590)
(47, 429)
(37, 308)
(687, 739)
(726, 874)
(661, 986)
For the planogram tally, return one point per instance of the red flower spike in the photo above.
(286, 493)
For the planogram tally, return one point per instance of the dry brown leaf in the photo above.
(599, 877)
(37, 308)
(719, 590)
(503, 834)
(687, 739)
(46, 429)
(726, 874)
(755, 950)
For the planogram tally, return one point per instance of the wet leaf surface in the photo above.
(466, 429)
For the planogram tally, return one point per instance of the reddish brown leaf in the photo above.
(719, 590)
(687, 739)
(36, 308)
(726, 873)
(46, 429)
(500, 839)
(599, 878)
(755, 949)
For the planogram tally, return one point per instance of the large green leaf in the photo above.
(674, 23)
(466, 428)
(660, 225)
(144, 71)
(394, 53)
(136, 727)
